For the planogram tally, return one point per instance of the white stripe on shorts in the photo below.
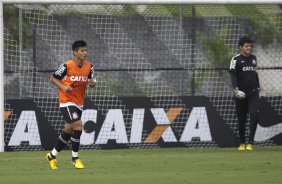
(69, 113)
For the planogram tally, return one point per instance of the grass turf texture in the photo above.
(173, 165)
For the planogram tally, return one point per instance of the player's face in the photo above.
(246, 49)
(81, 53)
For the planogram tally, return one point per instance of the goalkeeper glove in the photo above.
(239, 94)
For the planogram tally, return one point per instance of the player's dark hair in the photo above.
(77, 44)
(244, 39)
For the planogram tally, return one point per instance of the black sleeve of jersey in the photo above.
(233, 79)
(257, 73)
(258, 81)
(61, 72)
(233, 73)
(91, 75)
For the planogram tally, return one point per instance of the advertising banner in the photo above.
(137, 123)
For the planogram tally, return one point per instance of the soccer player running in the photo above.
(245, 83)
(71, 78)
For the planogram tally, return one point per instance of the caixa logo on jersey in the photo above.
(78, 78)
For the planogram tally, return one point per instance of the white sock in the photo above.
(54, 152)
(74, 154)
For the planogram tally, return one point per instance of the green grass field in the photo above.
(133, 166)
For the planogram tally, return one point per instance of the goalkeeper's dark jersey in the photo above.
(243, 73)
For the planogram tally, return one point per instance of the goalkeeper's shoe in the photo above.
(52, 161)
(242, 147)
(78, 164)
(249, 147)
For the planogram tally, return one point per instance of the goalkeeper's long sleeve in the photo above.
(233, 79)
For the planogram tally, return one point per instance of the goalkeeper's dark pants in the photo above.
(244, 106)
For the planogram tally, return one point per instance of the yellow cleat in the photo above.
(242, 147)
(78, 164)
(52, 162)
(249, 147)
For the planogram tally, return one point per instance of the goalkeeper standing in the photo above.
(245, 83)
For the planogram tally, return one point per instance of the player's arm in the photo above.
(258, 82)
(258, 79)
(57, 76)
(233, 74)
(91, 78)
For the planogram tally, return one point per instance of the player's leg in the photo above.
(241, 110)
(77, 127)
(66, 135)
(253, 102)
(62, 139)
(75, 139)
